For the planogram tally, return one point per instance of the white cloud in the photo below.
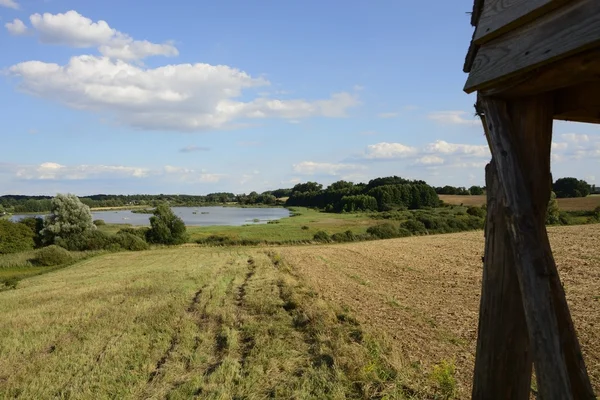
(388, 115)
(9, 4)
(442, 147)
(183, 97)
(190, 175)
(575, 137)
(453, 118)
(74, 30)
(55, 171)
(559, 145)
(388, 151)
(16, 28)
(193, 148)
(317, 168)
(429, 160)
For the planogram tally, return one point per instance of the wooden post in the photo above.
(503, 361)
(519, 135)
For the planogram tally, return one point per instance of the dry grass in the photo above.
(423, 293)
(576, 204)
(184, 323)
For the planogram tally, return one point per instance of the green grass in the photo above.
(185, 322)
(290, 229)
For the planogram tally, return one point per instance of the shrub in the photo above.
(476, 211)
(36, 224)
(347, 236)
(552, 212)
(166, 227)
(139, 232)
(131, 242)
(305, 228)
(52, 255)
(99, 222)
(15, 237)
(414, 226)
(383, 231)
(91, 240)
(443, 377)
(322, 236)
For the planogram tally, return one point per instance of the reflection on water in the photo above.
(193, 216)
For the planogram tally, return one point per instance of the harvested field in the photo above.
(575, 204)
(423, 293)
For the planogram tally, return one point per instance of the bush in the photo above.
(139, 232)
(322, 236)
(52, 255)
(131, 242)
(305, 228)
(166, 227)
(91, 240)
(36, 224)
(552, 212)
(383, 231)
(414, 226)
(476, 211)
(99, 222)
(347, 236)
(15, 237)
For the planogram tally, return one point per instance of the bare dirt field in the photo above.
(422, 293)
(575, 204)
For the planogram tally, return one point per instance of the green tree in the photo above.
(166, 227)
(69, 219)
(476, 190)
(307, 187)
(571, 187)
(552, 212)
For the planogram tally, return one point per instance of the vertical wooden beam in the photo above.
(503, 361)
(520, 135)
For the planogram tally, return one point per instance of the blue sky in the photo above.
(197, 96)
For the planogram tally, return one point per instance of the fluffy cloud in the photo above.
(388, 151)
(183, 97)
(9, 4)
(575, 137)
(74, 30)
(16, 28)
(442, 147)
(50, 171)
(193, 148)
(54, 171)
(453, 118)
(317, 168)
(429, 160)
(559, 145)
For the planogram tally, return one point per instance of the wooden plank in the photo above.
(566, 31)
(501, 16)
(581, 68)
(579, 103)
(520, 143)
(585, 116)
(503, 361)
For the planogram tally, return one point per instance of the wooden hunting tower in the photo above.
(531, 61)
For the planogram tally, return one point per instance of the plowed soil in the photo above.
(423, 293)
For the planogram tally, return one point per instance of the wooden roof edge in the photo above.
(472, 52)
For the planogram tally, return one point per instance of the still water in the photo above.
(193, 216)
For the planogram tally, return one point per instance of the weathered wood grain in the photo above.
(502, 16)
(581, 68)
(503, 361)
(578, 103)
(520, 137)
(559, 34)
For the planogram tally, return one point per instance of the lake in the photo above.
(192, 216)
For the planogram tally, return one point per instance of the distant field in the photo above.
(575, 204)
(360, 320)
